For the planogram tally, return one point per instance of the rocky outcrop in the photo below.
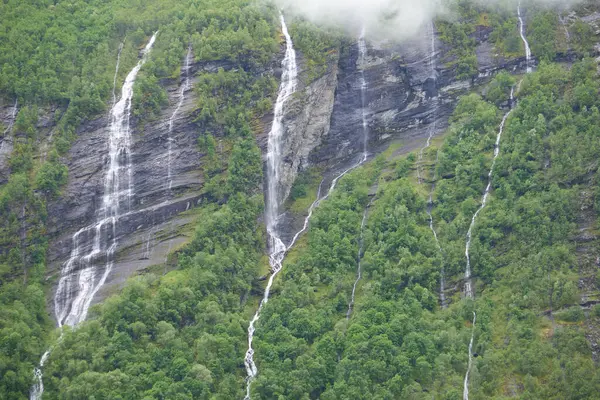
(307, 121)
(8, 115)
(156, 221)
(410, 94)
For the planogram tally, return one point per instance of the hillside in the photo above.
(216, 199)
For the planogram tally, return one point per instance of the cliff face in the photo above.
(155, 223)
(409, 96)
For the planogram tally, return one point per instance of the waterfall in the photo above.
(277, 249)
(78, 285)
(470, 363)
(13, 117)
(362, 60)
(524, 39)
(186, 86)
(114, 91)
(468, 282)
(97, 243)
(433, 127)
(431, 133)
(361, 248)
(38, 387)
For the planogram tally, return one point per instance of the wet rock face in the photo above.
(401, 100)
(153, 223)
(7, 119)
(306, 123)
(409, 95)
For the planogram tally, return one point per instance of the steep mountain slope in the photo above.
(192, 227)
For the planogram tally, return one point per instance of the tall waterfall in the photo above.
(97, 243)
(470, 362)
(468, 281)
(77, 286)
(524, 39)
(186, 85)
(78, 283)
(362, 60)
(432, 130)
(277, 249)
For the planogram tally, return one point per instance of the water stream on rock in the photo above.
(470, 362)
(187, 85)
(13, 117)
(361, 248)
(77, 285)
(431, 133)
(184, 88)
(277, 249)
(468, 279)
(97, 243)
(524, 39)
(362, 54)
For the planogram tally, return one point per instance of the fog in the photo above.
(388, 18)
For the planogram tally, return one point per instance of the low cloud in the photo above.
(387, 18)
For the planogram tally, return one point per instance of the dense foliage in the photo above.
(183, 335)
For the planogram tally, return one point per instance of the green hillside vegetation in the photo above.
(183, 335)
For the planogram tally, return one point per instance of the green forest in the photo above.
(182, 334)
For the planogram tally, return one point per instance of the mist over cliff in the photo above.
(389, 19)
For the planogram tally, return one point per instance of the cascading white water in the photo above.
(468, 280)
(468, 285)
(77, 286)
(470, 362)
(38, 387)
(114, 91)
(185, 87)
(433, 127)
(277, 249)
(524, 39)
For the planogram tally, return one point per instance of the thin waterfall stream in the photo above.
(431, 133)
(468, 281)
(97, 243)
(524, 39)
(468, 273)
(362, 54)
(185, 86)
(359, 257)
(13, 117)
(277, 249)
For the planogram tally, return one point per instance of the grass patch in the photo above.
(304, 190)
